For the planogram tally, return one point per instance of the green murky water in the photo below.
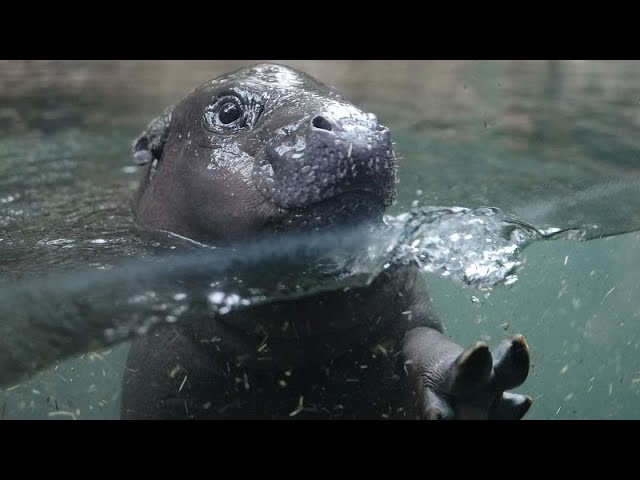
(553, 142)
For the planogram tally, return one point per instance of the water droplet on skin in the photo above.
(216, 297)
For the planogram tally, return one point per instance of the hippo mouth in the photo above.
(297, 181)
(342, 210)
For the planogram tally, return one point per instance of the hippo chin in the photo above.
(266, 150)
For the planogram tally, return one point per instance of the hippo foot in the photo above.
(472, 385)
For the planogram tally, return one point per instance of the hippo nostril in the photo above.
(322, 123)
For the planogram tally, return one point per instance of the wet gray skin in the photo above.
(284, 149)
(268, 149)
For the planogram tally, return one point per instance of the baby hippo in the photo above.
(267, 150)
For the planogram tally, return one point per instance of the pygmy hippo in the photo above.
(265, 150)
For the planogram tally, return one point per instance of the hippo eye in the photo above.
(227, 113)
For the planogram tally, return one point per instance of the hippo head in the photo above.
(262, 149)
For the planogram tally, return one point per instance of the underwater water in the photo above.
(553, 143)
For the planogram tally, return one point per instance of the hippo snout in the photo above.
(332, 156)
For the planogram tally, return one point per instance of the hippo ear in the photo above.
(148, 146)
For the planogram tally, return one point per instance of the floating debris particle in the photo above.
(299, 407)
(607, 294)
(211, 340)
(184, 380)
(380, 349)
(63, 413)
(263, 344)
(93, 355)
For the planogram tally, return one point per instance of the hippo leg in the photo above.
(444, 381)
